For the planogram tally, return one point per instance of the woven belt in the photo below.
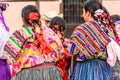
(43, 66)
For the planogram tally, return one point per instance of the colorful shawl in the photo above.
(64, 63)
(26, 54)
(89, 41)
(14, 46)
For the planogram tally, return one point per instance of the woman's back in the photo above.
(92, 40)
(88, 44)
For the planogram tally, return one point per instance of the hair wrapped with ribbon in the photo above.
(104, 19)
(34, 18)
(3, 7)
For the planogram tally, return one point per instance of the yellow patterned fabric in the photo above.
(33, 55)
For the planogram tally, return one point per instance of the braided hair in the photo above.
(57, 24)
(31, 15)
(57, 21)
(101, 15)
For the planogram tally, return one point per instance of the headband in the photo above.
(33, 16)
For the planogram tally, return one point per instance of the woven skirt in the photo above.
(116, 71)
(92, 70)
(51, 73)
(5, 73)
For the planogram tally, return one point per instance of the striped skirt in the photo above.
(5, 73)
(92, 70)
(51, 73)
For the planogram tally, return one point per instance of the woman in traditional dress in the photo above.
(57, 24)
(5, 73)
(88, 44)
(34, 49)
(116, 68)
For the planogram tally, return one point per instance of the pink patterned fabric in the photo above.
(113, 50)
(32, 55)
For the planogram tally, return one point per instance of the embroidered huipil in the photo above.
(25, 55)
(89, 41)
(14, 46)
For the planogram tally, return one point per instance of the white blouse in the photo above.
(3, 38)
